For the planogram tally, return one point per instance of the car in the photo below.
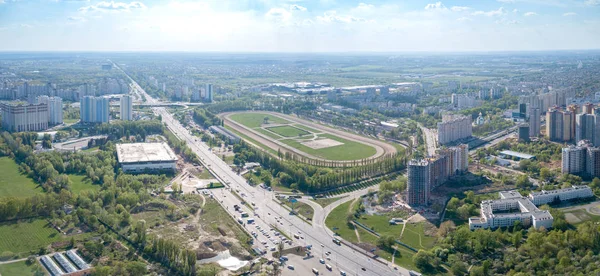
(328, 253)
(269, 214)
(343, 273)
(328, 258)
(363, 269)
(291, 267)
(321, 261)
(322, 245)
(328, 266)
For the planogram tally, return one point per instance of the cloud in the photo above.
(459, 8)
(279, 14)
(497, 12)
(26, 26)
(464, 19)
(114, 6)
(295, 7)
(592, 2)
(75, 18)
(506, 1)
(515, 11)
(333, 17)
(530, 14)
(569, 14)
(505, 21)
(435, 6)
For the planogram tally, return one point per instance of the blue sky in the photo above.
(299, 25)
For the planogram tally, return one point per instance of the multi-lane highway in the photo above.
(268, 213)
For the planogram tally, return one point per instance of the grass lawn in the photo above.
(253, 120)
(307, 128)
(336, 221)
(301, 208)
(350, 150)
(205, 174)
(381, 225)
(70, 121)
(579, 216)
(268, 133)
(414, 236)
(13, 183)
(245, 137)
(27, 235)
(288, 131)
(326, 201)
(20, 269)
(403, 255)
(81, 183)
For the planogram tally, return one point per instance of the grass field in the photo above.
(245, 137)
(336, 221)
(267, 133)
(81, 183)
(288, 131)
(27, 235)
(326, 201)
(414, 235)
(253, 120)
(301, 208)
(307, 128)
(350, 150)
(20, 269)
(13, 183)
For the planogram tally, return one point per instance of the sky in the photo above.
(299, 25)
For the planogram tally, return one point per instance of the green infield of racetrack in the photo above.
(350, 150)
(253, 120)
(288, 131)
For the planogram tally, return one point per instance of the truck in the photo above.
(250, 220)
(336, 241)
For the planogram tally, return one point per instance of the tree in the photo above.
(458, 268)
(523, 181)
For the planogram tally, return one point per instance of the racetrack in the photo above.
(381, 148)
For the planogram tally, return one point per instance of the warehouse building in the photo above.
(144, 157)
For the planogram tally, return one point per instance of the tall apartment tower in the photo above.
(534, 121)
(573, 160)
(588, 108)
(418, 184)
(55, 109)
(126, 106)
(209, 92)
(94, 109)
(559, 125)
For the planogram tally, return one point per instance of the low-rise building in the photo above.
(571, 193)
(510, 208)
(144, 157)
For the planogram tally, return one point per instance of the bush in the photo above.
(6, 255)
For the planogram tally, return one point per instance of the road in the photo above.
(270, 213)
(430, 139)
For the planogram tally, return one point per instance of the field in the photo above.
(288, 131)
(292, 135)
(337, 220)
(13, 183)
(326, 201)
(81, 183)
(301, 208)
(27, 235)
(253, 120)
(20, 269)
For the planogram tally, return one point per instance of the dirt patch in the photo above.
(595, 210)
(322, 143)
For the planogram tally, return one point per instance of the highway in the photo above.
(268, 212)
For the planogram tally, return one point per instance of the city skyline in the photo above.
(300, 26)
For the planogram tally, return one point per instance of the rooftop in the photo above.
(145, 152)
(517, 154)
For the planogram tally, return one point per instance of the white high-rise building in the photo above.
(94, 109)
(126, 108)
(55, 109)
(453, 128)
(573, 159)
